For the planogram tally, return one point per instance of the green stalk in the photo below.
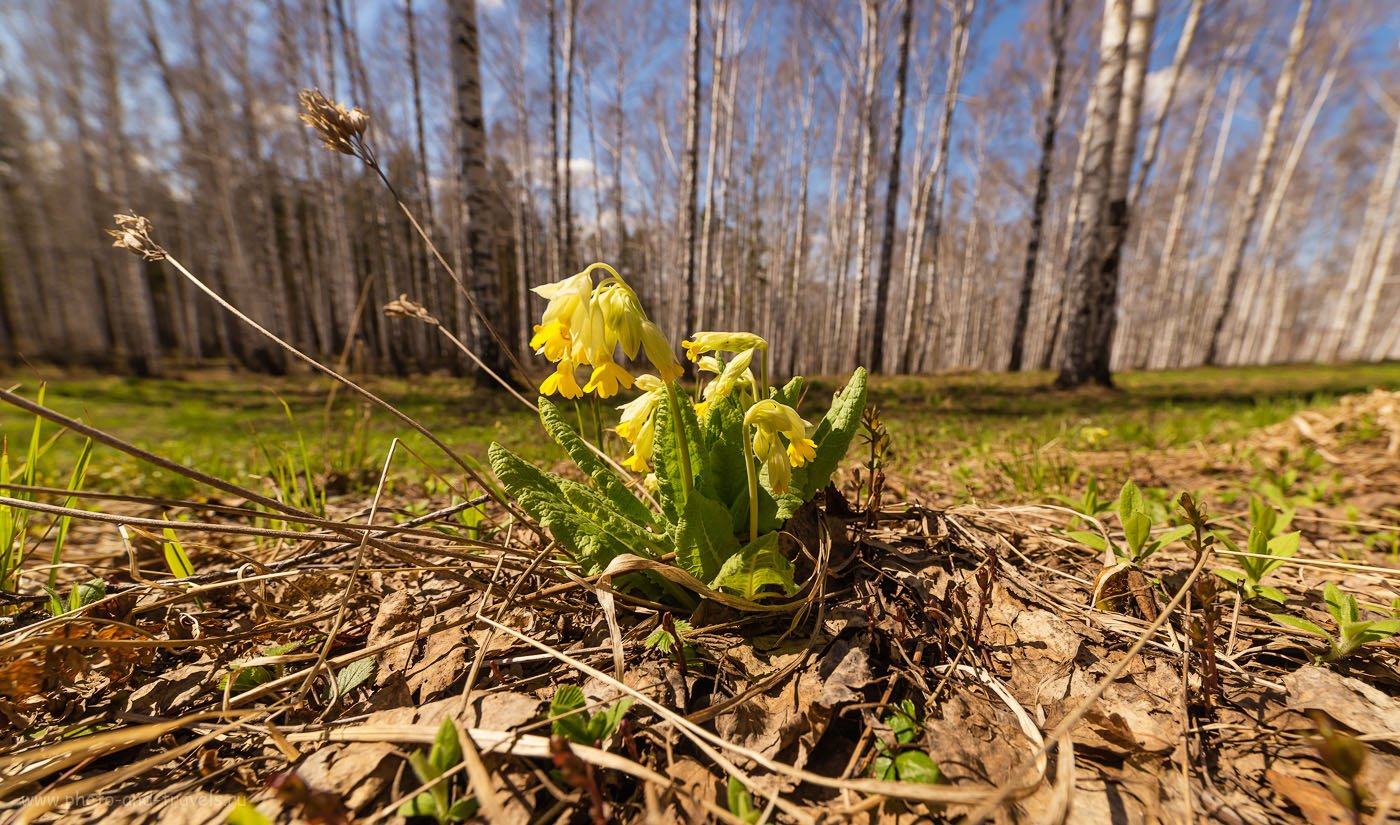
(674, 400)
(750, 466)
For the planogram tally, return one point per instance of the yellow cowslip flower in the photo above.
(637, 412)
(703, 342)
(568, 299)
(640, 459)
(606, 378)
(593, 340)
(659, 353)
(734, 373)
(552, 340)
(562, 381)
(779, 473)
(769, 418)
(623, 313)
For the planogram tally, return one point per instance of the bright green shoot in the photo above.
(1138, 521)
(437, 803)
(901, 762)
(569, 720)
(1269, 549)
(1352, 630)
(741, 802)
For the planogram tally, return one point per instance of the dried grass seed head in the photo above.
(341, 129)
(133, 233)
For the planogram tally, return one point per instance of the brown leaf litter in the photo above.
(981, 617)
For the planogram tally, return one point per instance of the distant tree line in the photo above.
(908, 184)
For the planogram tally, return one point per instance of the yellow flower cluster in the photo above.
(769, 420)
(584, 325)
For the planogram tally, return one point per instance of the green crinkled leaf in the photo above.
(667, 459)
(833, 437)
(723, 434)
(541, 494)
(917, 766)
(790, 392)
(704, 537)
(604, 478)
(757, 566)
(589, 505)
(519, 476)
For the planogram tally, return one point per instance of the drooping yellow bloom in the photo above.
(637, 412)
(659, 353)
(703, 342)
(606, 378)
(623, 313)
(769, 420)
(552, 340)
(562, 381)
(568, 299)
(731, 375)
(640, 459)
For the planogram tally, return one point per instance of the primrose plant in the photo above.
(719, 471)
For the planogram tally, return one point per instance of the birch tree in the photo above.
(1228, 274)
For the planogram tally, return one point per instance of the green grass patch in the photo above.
(236, 427)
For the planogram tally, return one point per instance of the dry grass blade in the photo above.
(54, 797)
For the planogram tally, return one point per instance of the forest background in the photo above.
(917, 185)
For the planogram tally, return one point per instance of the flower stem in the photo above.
(678, 426)
(749, 465)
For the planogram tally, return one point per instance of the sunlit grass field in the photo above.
(237, 427)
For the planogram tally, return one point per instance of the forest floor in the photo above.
(963, 618)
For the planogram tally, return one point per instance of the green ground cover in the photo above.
(236, 426)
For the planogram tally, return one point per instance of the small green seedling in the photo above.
(579, 726)
(1352, 631)
(1137, 520)
(741, 802)
(1269, 549)
(81, 595)
(243, 677)
(177, 559)
(436, 803)
(661, 639)
(1091, 504)
(902, 762)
